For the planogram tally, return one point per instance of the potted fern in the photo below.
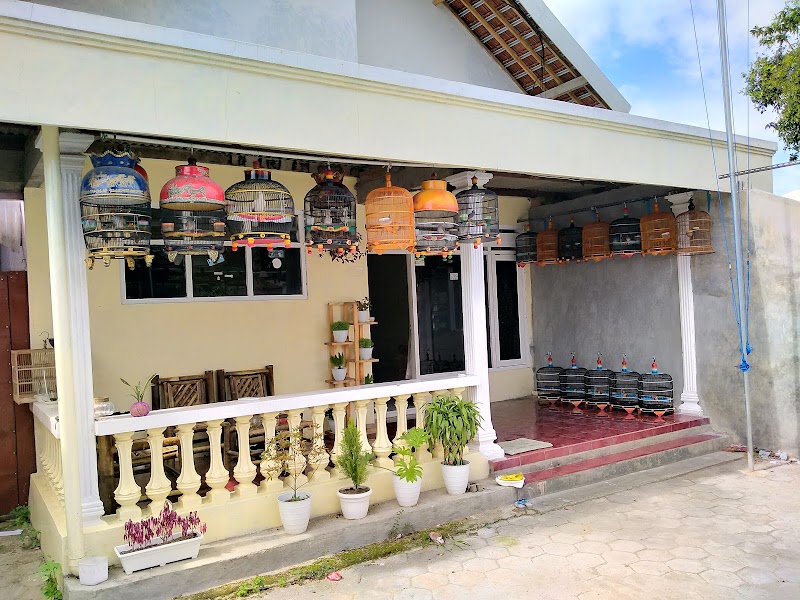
(365, 346)
(340, 330)
(407, 477)
(338, 367)
(363, 307)
(453, 422)
(353, 462)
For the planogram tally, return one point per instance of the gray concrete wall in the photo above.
(774, 327)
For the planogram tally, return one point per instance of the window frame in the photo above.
(492, 257)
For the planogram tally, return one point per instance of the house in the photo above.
(498, 90)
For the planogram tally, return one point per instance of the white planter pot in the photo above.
(158, 556)
(365, 353)
(339, 374)
(456, 478)
(407, 494)
(363, 316)
(340, 336)
(294, 515)
(354, 506)
(93, 570)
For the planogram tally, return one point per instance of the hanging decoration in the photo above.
(547, 246)
(478, 215)
(435, 214)
(596, 242)
(694, 231)
(526, 247)
(659, 232)
(570, 242)
(390, 218)
(330, 215)
(192, 214)
(260, 210)
(115, 208)
(625, 235)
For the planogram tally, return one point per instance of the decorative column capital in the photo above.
(680, 202)
(463, 180)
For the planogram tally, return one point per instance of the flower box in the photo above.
(158, 555)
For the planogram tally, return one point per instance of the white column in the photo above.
(475, 352)
(690, 401)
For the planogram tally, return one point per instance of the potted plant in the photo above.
(353, 462)
(453, 422)
(154, 541)
(340, 330)
(139, 408)
(338, 367)
(365, 346)
(284, 454)
(369, 379)
(407, 477)
(363, 307)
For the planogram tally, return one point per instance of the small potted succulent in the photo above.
(365, 346)
(407, 477)
(353, 462)
(453, 422)
(154, 541)
(369, 379)
(340, 330)
(363, 307)
(284, 454)
(338, 367)
(139, 408)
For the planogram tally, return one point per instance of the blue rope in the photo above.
(748, 347)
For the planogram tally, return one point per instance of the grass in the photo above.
(20, 518)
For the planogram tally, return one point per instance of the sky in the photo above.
(647, 48)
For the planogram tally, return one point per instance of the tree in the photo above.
(774, 78)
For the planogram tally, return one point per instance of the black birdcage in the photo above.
(548, 381)
(478, 212)
(655, 390)
(625, 235)
(573, 383)
(330, 215)
(570, 243)
(526, 248)
(598, 384)
(193, 232)
(625, 387)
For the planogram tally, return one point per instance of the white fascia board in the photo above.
(575, 54)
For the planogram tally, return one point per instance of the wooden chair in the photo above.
(187, 390)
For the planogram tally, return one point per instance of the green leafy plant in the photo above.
(364, 304)
(338, 361)
(452, 421)
(365, 343)
(352, 459)
(369, 379)
(138, 390)
(287, 449)
(399, 528)
(21, 518)
(407, 467)
(49, 571)
(340, 326)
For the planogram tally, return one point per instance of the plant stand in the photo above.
(356, 367)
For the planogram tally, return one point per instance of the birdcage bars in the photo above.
(655, 390)
(598, 385)
(694, 231)
(330, 215)
(435, 220)
(573, 384)
(548, 381)
(659, 232)
(526, 248)
(547, 246)
(193, 233)
(625, 236)
(390, 218)
(595, 240)
(570, 243)
(478, 211)
(625, 388)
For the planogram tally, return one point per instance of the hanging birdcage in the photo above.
(260, 210)
(596, 240)
(478, 215)
(548, 381)
(659, 232)
(655, 390)
(115, 208)
(526, 248)
(598, 384)
(694, 231)
(547, 246)
(625, 387)
(573, 383)
(192, 214)
(625, 235)
(570, 243)
(330, 215)
(390, 218)
(435, 214)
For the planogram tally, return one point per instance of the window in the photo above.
(505, 316)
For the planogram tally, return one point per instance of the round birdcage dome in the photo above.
(192, 189)
(330, 215)
(478, 214)
(390, 218)
(435, 214)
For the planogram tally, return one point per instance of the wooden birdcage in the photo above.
(570, 243)
(596, 240)
(659, 232)
(435, 220)
(694, 231)
(260, 210)
(625, 236)
(526, 248)
(478, 215)
(547, 246)
(33, 375)
(390, 218)
(330, 215)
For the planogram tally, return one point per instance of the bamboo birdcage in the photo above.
(33, 373)
(435, 215)
(596, 240)
(570, 243)
(390, 218)
(659, 232)
(478, 215)
(694, 231)
(625, 236)
(330, 215)
(547, 246)
(526, 248)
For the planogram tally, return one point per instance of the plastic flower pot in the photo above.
(365, 353)
(340, 336)
(158, 555)
(296, 514)
(93, 570)
(354, 506)
(339, 374)
(363, 316)
(456, 478)
(407, 494)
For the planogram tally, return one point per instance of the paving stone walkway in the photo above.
(720, 533)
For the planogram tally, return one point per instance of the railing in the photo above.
(48, 447)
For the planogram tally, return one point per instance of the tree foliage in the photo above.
(773, 81)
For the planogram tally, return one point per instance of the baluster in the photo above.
(58, 471)
(339, 414)
(402, 418)
(159, 487)
(245, 471)
(47, 457)
(320, 463)
(298, 463)
(270, 469)
(128, 491)
(217, 476)
(188, 481)
(361, 423)
(382, 446)
(421, 401)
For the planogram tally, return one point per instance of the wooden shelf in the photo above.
(369, 360)
(342, 382)
(338, 343)
(367, 323)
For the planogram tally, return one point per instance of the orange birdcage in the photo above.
(547, 246)
(659, 232)
(390, 218)
(694, 231)
(435, 214)
(596, 240)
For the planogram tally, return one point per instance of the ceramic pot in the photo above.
(363, 316)
(339, 374)
(354, 506)
(155, 556)
(340, 336)
(365, 353)
(456, 478)
(295, 515)
(407, 494)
